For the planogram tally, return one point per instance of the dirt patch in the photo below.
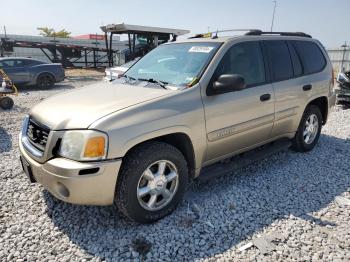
(84, 72)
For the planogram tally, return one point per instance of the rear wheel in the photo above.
(6, 103)
(151, 182)
(45, 81)
(309, 130)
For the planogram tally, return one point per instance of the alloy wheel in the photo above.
(157, 185)
(310, 129)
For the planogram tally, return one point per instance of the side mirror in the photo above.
(228, 83)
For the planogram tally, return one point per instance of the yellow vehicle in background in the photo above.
(7, 88)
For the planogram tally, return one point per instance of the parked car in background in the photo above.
(343, 90)
(115, 72)
(26, 71)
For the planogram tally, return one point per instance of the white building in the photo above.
(340, 57)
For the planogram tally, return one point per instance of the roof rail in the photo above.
(214, 34)
(259, 32)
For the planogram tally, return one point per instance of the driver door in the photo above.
(239, 119)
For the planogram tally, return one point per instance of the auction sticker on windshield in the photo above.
(200, 49)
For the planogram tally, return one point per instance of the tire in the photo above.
(300, 141)
(45, 81)
(131, 181)
(6, 103)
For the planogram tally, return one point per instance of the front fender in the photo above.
(154, 134)
(181, 112)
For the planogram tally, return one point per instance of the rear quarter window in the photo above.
(311, 56)
(297, 66)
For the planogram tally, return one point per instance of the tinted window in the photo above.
(27, 62)
(311, 56)
(20, 63)
(280, 60)
(297, 67)
(8, 63)
(244, 59)
(12, 63)
(34, 62)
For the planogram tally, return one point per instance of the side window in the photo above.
(311, 56)
(297, 66)
(19, 63)
(280, 60)
(244, 59)
(8, 63)
(27, 62)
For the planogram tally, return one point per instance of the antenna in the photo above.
(273, 14)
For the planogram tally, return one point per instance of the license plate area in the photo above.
(27, 170)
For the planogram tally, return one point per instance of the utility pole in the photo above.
(273, 14)
(2, 49)
(342, 60)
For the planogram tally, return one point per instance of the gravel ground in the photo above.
(288, 198)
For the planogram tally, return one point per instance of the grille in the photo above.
(37, 134)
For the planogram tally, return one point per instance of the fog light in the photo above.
(62, 190)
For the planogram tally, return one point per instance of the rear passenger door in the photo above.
(285, 73)
(21, 70)
(296, 73)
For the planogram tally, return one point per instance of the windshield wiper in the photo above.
(151, 80)
(128, 77)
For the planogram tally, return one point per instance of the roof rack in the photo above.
(259, 32)
(214, 34)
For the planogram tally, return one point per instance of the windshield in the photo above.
(130, 63)
(174, 64)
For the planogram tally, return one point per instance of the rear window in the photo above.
(281, 63)
(311, 56)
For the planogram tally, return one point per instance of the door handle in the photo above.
(265, 97)
(307, 87)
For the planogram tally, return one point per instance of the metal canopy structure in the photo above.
(137, 29)
(67, 54)
(152, 35)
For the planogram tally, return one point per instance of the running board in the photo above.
(229, 165)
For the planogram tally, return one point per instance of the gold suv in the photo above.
(137, 141)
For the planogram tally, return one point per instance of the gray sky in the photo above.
(325, 20)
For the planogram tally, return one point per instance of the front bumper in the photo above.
(61, 178)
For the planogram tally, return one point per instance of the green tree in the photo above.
(50, 32)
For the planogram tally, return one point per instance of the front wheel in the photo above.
(151, 182)
(309, 129)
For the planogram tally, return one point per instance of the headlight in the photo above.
(84, 145)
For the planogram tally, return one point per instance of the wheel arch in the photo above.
(322, 104)
(179, 140)
(44, 73)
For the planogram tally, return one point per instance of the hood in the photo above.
(81, 107)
